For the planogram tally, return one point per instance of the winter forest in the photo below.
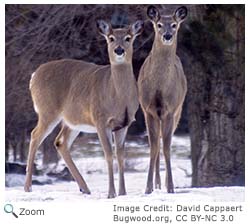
(208, 147)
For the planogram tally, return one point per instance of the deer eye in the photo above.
(173, 25)
(127, 38)
(111, 38)
(159, 25)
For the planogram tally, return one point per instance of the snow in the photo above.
(68, 191)
(92, 166)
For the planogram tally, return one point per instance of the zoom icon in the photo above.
(8, 208)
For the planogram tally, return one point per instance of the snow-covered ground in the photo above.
(93, 168)
(68, 191)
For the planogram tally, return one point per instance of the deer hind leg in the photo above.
(44, 127)
(119, 139)
(177, 117)
(153, 128)
(63, 143)
(105, 136)
(167, 127)
(157, 172)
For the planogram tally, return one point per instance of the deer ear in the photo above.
(153, 13)
(180, 14)
(103, 27)
(137, 28)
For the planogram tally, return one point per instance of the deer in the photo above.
(162, 88)
(86, 97)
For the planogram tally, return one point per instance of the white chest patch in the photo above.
(33, 75)
(35, 108)
(119, 59)
(82, 127)
(31, 79)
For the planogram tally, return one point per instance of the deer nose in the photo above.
(119, 51)
(168, 36)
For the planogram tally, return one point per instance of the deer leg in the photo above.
(167, 131)
(40, 132)
(105, 136)
(157, 172)
(63, 143)
(119, 139)
(153, 128)
(177, 117)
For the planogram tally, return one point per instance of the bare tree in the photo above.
(213, 48)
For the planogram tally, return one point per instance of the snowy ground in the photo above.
(65, 191)
(93, 168)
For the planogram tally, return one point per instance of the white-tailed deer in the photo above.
(162, 89)
(87, 97)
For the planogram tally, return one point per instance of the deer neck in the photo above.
(122, 79)
(164, 56)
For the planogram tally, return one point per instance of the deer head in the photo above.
(120, 41)
(166, 26)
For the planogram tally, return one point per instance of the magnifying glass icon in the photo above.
(8, 208)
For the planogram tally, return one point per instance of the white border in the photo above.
(2, 102)
(99, 211)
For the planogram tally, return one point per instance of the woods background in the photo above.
(211, 45)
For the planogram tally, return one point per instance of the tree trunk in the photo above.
(215, 100)
(22, 149)
(7, 147)
(217, 133)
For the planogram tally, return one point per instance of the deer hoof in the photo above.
(149, 190)
(85, 192)
(27, 188)
(122, 192)
(111, 195)
(171, 190)
(158, 186)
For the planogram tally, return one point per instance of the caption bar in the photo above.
(178, 213)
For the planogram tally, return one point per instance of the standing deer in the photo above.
(87, 97)
(162, 89)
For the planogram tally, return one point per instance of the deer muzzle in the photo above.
(167, 38)
(119, 51)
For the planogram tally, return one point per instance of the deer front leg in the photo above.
(105, 136)
(63, 143)
(153, 128)
(119, 139)
(167, 131)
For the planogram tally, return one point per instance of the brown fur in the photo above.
(80, 93)
(162, 89)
